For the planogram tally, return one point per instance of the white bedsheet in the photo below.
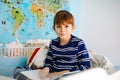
(93, 74)
(5, 78)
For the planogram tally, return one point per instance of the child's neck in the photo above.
(65, 41)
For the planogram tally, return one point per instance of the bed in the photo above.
(9, 60)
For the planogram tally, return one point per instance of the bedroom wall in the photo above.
(99, 22)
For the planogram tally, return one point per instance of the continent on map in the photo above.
(54, 5)
(38, 12)
(18, 19)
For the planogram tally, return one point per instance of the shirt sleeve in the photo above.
(83, 56)
(49, 58)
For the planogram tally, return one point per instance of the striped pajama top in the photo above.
(72, 56)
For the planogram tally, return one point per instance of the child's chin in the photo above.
(63, 37)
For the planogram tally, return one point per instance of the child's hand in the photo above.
(44, 73)
(56, 74)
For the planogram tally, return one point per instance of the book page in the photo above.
(35, 74)
(65, 74)
(32, 74)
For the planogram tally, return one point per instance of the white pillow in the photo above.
(36, 59)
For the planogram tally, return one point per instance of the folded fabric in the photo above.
(98, 60)
(36, 59)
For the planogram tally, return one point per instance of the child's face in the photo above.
(64, 31)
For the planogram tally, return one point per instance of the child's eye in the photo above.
(58, 26)
(66, 26)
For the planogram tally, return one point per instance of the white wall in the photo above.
(100, 27)
(98, 24)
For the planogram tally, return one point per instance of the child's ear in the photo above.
(53, 27)
(73, 27)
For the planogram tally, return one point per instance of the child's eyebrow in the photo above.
(57, 25)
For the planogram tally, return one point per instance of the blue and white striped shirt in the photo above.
(72, 56)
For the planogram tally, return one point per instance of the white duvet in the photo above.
(93, 74)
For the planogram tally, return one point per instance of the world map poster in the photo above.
(28, 19)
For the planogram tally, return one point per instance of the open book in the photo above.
(32, 74)
(35, 74)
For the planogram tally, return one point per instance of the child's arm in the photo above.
(83, 57)
(44, 73)
(57, 74)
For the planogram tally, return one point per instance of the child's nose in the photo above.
(62, 28)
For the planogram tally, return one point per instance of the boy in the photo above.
(66, 53)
